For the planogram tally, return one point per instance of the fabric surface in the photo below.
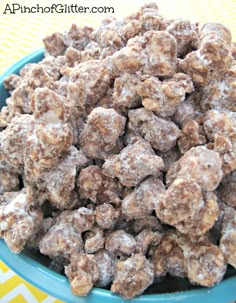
(13, 289)
(20, 34)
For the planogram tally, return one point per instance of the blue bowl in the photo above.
(58, 286)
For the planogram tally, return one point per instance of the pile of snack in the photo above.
(118, 153)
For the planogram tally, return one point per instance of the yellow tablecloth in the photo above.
(20, 34)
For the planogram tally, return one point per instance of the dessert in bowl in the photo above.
(118, 162)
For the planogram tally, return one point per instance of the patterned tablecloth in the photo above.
(20, 34)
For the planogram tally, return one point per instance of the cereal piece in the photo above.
(143, 200)
(19, 219)
(52, 66)
(210, 213)
(60, 88)
(48, 106)
(205, 218)
(64, 238)
(147, 6)
(107, 52)
(7, 197)
(13, 139)
(130, 29)
(92, 45)
(203, 262)
(107, 101)
(74, 57)
(111, 38)
(180, 202)
(228, 239)
(7, 113)
(113, 35)
(132, 276)
(110, 103)
(184, 206)
(146, 238)
(94, 240)
(120, 242)
(87, 84)
(161, 134)
(61, 240)
(219, 94)
(213, 55)
(49, 66)
(132, 134)
(51, 135)
(51, 107)
(150, 17)
(161, 53)
(133, 164)
(9, 175)
(125, 92)
(82, 272)
(94, 185)
(187, 241)
(100, 134)
(106, 268)
(218, 29)
(172, 173)
(227, 189)
(38, 77)
(59, 182)
(148, 222)
(164, 97)
(9, 180)
(90, 181)
(44, 145)
(201, 164)
(196, 67)
(205, 265)
(220, 128)
(130, 58)
(21, 96)
(78, 37)
(168, 257)
(11, 82)
(183, 113)
(54, 44)
(154, 53)
(192, 135)
(27, 69)
(82, 219)
(108, 35)
(106, 216)
(151, 93)
(189, 109)
(186, 35)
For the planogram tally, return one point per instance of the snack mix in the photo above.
(118, 154)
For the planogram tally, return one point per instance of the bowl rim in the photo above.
(58, 286)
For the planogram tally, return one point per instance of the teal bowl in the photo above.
(29, 268)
